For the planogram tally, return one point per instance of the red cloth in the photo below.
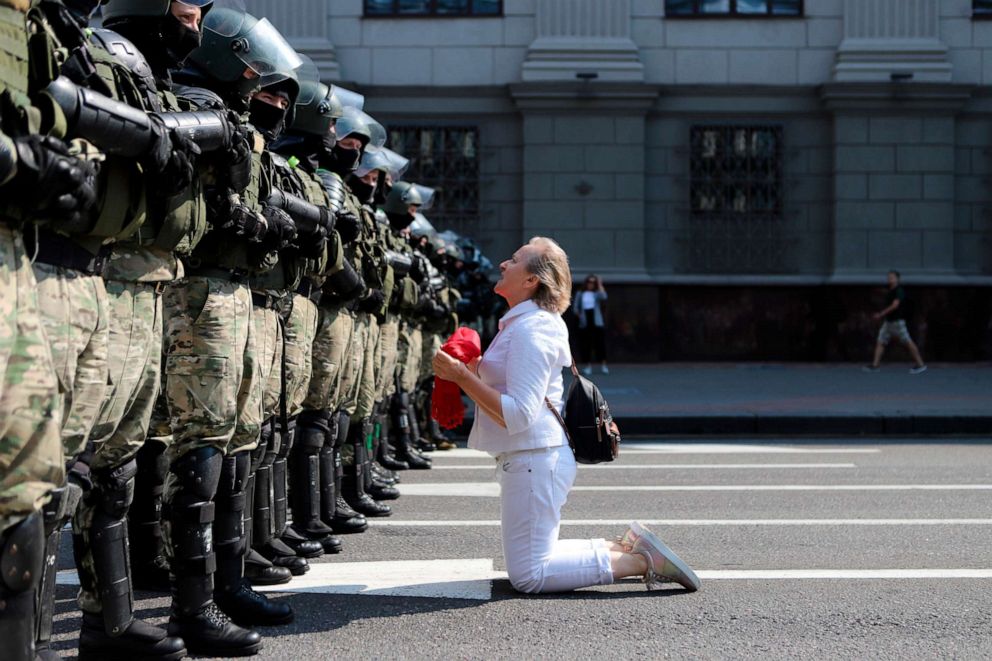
(446, 402)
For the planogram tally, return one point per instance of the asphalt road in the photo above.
(825, 549)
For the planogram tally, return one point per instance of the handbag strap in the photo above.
(560, 419)
(575, 370)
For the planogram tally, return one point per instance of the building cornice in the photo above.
(920, 97)
(582, 96)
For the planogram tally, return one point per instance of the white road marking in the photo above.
(437, 579)
(491, 466)
(850, 574)
(471, 523)
(733, 448)
(491, 489)
(683, 448)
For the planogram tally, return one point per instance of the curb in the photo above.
(805, 425)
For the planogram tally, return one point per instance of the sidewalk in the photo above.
(804, 399)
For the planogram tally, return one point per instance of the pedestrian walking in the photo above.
(588, 307)
(510, 384)
(893, 319)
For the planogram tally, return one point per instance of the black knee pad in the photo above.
(197, 474)
(114, 489)
(22, 552)
(288, 438)
(312, 431)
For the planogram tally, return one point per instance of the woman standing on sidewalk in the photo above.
(588, 307)
(536, 468)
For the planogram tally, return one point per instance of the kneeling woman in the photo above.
(535, 465)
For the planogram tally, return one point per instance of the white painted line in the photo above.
(438, 579)
(491, 489)
(492, 465)
(458, 453)
(461, 489)
(850, 574)
(792, 487)
(482, 523)
(732, 448)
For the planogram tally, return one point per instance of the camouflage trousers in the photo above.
(135, 372)
(300, 332)
(333, 359)
(385, 369)
(30, 446)
(410, 357)
(210, 367)
(264, 401)
(359, 383)
(431, 345)
(75, 311)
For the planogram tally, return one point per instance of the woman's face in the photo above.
(590, 283)
(516, 283)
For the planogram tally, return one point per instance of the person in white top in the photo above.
(535, 465)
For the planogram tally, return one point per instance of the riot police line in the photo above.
(218, 302)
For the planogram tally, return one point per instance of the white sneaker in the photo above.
(918, 370)
(604, 369)
(587, 370)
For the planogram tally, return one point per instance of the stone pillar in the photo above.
(894, 174)
(892, 40)
(304, 23)
(584, 163)
(583, 37)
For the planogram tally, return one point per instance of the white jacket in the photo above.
(524, 363)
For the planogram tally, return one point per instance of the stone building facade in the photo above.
(742, 173)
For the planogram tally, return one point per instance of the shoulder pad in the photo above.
(335, 189)
(201, 97)
(126, 53)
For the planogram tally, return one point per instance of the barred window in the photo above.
(736, 218)
(445, 158)
(982, 8)
(433, 8)
(736, 170)
(725, 8)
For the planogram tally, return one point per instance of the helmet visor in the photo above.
(309, 77)
(427, 194)
(356, 123)
(397, 164)
(348, 98)
(372, 160)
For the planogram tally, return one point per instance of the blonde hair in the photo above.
(550, 265)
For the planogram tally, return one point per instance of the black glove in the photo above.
(236, 164)
(53, 183)
(230, 215)
(372, 301)
(347, 225)
(172, 159)
(281, 228)
(418, 270)
(311, 244)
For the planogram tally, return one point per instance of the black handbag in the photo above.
(589, 427)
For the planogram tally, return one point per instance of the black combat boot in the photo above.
(259, 570)
(346, 520)
(195, 617)
(389, 423)
(353, 484)
(405, 423)
(22, 554)
(303, 547)
(114, 633)
(232, 593)
(148, 565)
(55, 513)
(260, 528)
(312, 432)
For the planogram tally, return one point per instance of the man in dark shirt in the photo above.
(894, 325)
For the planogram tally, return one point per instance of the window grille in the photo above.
(445, 158)
(736, 8)
(438, 8)
(736, 207)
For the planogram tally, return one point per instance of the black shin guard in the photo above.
(22, 553)
(145, 518)
(55, 514)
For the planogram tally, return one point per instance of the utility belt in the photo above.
(279, 302)
(215, 272)
(47, 247)
(308, 289)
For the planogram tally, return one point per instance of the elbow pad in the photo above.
(346, 283)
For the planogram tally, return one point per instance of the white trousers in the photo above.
(534, 486)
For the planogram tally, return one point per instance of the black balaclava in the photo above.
(382, 190)
(270, 120)
(339, 160)
(163, 40)
(363, 191)
(400, 221)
